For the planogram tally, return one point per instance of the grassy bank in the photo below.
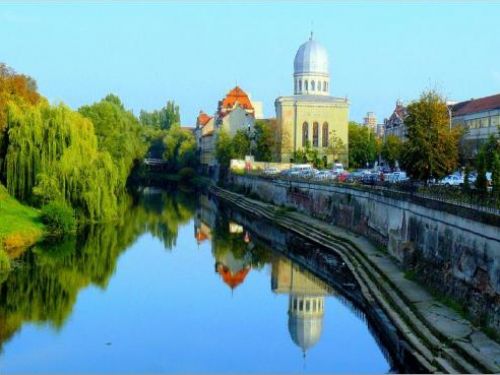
(20, 225)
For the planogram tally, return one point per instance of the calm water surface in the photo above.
(177, 287)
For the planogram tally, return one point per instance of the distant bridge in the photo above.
(155, 162)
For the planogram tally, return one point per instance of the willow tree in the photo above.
(118, 132)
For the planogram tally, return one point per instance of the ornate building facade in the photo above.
(310, 117)
(234, 112)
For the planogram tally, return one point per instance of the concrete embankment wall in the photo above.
(452, 250)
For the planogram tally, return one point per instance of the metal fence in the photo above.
(471, 198)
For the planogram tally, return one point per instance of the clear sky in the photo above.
(195, 52)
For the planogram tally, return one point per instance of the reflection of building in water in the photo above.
(235, 227)
(204, 219)
(232, 270)
(306, 301)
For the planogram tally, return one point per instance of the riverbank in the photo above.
(20, 225)
(440, 339)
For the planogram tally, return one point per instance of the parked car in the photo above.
(452, 180)
(324, 175)
(299, 170)
(342, 177)
(271, 171)
(370, 179)
(396, 177)
(338, 168)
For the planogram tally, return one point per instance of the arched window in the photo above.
(306, 86)
(324, 86)
(315, 134)
(325, 134)
(295, 87)
(305, 133)
(313, 85)
(300, 85)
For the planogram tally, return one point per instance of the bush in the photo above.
(59, 218)
(4, 261)
(187, 174)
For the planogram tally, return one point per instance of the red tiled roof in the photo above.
(203, 119)
(232, 280)
(487, 103)
(236, 95)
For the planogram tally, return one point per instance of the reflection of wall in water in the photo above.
(305, 304)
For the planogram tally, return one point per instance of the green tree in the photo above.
(180, 148)
(466, 185)
(163, 118)
(224, 150)
(491, 150)
(118, 132)
(481, 181)
(337, 148)
(362, 145)
(495, 173)
(432, 147)
(392, 149)
(241, 144)
(265, 139)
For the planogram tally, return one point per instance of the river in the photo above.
(181, 284)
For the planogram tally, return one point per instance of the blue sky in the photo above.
(195, 52)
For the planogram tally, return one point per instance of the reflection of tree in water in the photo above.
(44, 287)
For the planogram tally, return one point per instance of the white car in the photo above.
(452, 180)
(271, 171)
(324, 175)
(338, 168)
(396, 177)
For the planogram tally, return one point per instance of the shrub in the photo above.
(187, 173)
(59, 218)
(4, 261)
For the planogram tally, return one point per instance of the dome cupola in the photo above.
(310, 65)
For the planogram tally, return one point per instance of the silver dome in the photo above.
(305, 331)
(311, 58)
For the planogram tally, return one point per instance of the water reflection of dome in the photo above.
(232, 270)
(305, 320)
(306, 299)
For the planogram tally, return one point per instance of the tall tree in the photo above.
(337, 148)
(362, 145)
(180, 148)
(432, 147)
(163, 118)
(392, 149)
(265, 140)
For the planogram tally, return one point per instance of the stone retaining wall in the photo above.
(450, 253)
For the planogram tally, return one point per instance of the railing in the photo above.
(485, 202)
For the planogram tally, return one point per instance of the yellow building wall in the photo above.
(292, 114)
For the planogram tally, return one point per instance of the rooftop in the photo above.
(487, 103)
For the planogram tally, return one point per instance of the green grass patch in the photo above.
(20, 225)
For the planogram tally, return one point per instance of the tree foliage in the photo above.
(337, 148)
(265, 139)
(118, 132)
(180, 148)
(432, 147)
(392, 149)
(163, 118)
(362, 145)
(224, 150)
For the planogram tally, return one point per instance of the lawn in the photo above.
(20, 225)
